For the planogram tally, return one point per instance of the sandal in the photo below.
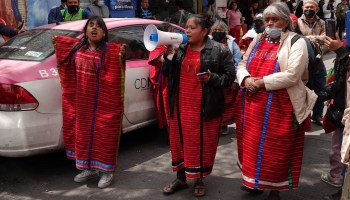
(199, 189)
(175, 186)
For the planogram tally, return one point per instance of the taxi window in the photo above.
(132, 36)
(32, 45)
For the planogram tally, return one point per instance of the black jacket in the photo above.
(215, 57)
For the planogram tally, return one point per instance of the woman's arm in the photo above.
(228, 75)
(297, 64)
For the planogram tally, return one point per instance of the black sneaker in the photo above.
(251, 191)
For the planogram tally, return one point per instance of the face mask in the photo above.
(259, 29)
(309, 13)
(218, 36)
(101, 3)
(273, 33)
(73, 9)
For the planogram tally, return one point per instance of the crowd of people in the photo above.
(219, 77)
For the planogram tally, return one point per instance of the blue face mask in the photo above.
(273, 33)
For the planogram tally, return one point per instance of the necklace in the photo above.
(92, 50)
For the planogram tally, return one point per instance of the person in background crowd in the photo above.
(74, 12)
(98, 8)
(272, 73)
(299, 9)
(338, 91)
(251, 14)
(328, 10)
(258, 27)
(55, 15)
(198, 75)
(181, 15)
(234, 21)
(159, 81)
(92, 78)
(320, 13)
(145, 12)
(289, 4)
(342, 8)
(311, 26)
(211, 11)
(8, 31)
(219, 33)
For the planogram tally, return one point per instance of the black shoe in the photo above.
(251, 191)
(335, 196)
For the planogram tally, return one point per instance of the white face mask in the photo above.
(101, 3)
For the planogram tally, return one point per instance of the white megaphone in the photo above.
(153, 37)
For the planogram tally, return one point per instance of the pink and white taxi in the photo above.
(30, 92)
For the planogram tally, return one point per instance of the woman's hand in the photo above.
(54, 40)
(251, 85)
(205, 78)
(259, 83)
(333, 44)
(169, 50)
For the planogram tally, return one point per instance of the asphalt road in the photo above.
(144, 168)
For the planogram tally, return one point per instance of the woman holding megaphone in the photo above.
(198, 75)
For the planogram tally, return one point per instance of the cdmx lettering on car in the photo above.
(143, 83)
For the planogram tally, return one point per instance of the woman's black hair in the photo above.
(84, 39)
(204, 20)
(231, 5)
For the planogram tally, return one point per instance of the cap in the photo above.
(258, 16)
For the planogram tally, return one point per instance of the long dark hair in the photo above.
(84, 40)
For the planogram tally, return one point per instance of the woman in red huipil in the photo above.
(198, 74)
(92, 79)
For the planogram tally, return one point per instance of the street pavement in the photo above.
(144, 168)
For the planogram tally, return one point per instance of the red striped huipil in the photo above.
(272, 140)
(159, 86)
(190, 147)
(92, 104)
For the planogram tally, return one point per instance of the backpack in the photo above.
(314, 50)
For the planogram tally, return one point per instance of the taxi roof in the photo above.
(110, 23)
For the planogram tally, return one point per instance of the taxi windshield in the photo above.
(32, 45)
